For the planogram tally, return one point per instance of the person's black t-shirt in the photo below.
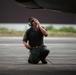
(34, 38)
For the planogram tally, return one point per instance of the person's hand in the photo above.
(27, 45)
(38, 23)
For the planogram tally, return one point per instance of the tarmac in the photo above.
(61, 60)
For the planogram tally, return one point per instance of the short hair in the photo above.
(31, 19)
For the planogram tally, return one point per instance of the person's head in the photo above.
(32, 21)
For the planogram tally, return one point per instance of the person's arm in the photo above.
(26, 45)
(25, 39)
(44, 32)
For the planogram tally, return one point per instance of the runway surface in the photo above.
(61, 60)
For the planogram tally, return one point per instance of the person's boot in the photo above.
(44, 61)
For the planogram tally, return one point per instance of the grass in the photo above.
(62, 32)
(7, 32)
(53, 32)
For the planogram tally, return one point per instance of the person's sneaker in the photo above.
(44, 61)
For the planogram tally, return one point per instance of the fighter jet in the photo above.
(68, 6)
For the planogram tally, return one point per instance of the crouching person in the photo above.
(34, 35)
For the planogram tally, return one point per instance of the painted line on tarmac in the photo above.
(44, 38)
(45, 44)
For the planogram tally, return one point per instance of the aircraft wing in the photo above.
(68, 6)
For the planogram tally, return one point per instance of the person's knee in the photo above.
(46, 51)
(35, 61)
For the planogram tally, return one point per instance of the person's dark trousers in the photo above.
(38, 54)
(43, 54)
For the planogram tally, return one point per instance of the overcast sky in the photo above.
(10, 12)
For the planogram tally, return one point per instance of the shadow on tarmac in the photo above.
(33, 72)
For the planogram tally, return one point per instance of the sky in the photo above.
(10, 12)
